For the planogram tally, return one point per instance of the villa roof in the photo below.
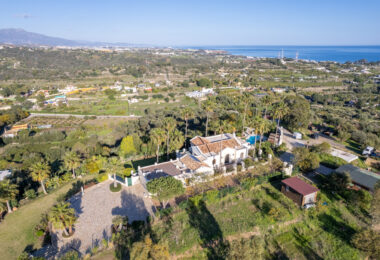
(214, 144)
(161, 170)
(191, 162)
(300, 186)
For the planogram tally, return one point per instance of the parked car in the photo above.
(368, 151)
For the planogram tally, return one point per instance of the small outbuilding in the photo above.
(299, 191)
(360, 177)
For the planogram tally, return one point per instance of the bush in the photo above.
(115, 189)
(248, 162)
(212, 196)
(30, 194)
(331, 161)
(40, 233)
(102, 177)
(321, 148)
(248, 183)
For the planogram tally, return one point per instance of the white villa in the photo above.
(206, 154)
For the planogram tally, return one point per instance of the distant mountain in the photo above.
(25, 38)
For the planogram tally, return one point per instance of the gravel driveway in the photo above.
(96, 209)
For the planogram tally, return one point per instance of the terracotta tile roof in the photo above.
(191, 162)
(300, 186)
(205, 146)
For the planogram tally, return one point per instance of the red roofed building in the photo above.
(299, 191)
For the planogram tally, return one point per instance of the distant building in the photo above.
(299, 191)
(14, 130)
(360, 177)
(199, 94)
(61, 99)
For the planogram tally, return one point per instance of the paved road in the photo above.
(96, 209)
(81, 116)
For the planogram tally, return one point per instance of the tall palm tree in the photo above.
(71, 161)
(280, 110)
(62, 217)
(187, 114)
(267, 100)
(263, 127)
(169, 126)
(40, 171)
(208, 107)
(114, 166)
(8, 191)
(246, 101)
(158, 136)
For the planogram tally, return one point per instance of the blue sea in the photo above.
(318, 53)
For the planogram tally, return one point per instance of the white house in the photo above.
(218, 150)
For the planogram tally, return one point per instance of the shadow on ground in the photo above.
(208, 229)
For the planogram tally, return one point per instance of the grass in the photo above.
(17, 229)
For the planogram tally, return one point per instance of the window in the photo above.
(242, 155)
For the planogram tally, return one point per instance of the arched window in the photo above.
(227, 158)
(213, 162)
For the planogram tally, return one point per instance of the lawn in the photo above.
(17, 229)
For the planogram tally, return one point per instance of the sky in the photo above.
(200, 22)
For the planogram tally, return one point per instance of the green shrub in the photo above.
(30, 194)
(331, 161)
(212, 196)
(115, 189)
(102, 177)
(40, 233)
(248, 162)
(248, 183)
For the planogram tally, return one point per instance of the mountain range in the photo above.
(24, 38)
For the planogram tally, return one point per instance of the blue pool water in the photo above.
(252, 139)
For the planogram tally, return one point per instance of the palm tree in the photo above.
(187, 114)
(267, 100)
(246, 101)
(71, 162)
(280, 110)
(169, 126)
(8, 191)
(209, 107)
(40, 171)
(62, 217)
(263, 127)
(157, 135)
(114, 167)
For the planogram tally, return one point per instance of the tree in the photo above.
(158, 136)
(262, 127)
(118, 222)
(375, 206)
(187, 113)
(368, 241)
(176, 141)
(40, 171)
(95, 164)
(169, 126)
(280, 110)
(208, 107)
(305, 160)
(8, 191)
(267, 100)
(71, 161)
(246, 102)
(127, 147)
(343, 135)
(165, 188)
(148, 250)
(299, 112)
(114, 167)
(62, 216)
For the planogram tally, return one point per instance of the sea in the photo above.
(339, 54)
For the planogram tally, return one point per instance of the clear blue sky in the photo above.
(205, 22)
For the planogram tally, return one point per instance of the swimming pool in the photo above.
(252, 139)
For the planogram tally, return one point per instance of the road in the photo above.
(81, 116)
